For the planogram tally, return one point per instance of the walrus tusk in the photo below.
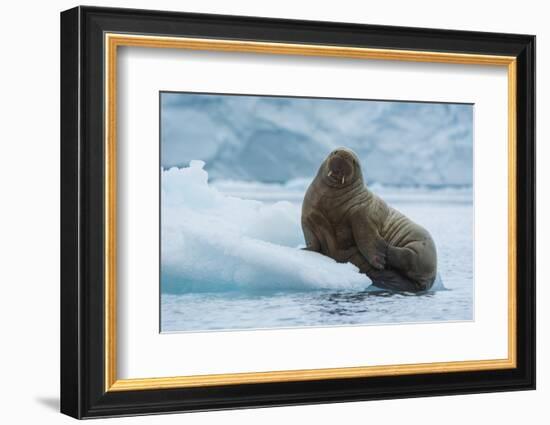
(343, 179)
(330, 173)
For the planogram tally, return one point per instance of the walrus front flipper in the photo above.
(312, 241)
(369, 241)
(319, 235)
(392, 280)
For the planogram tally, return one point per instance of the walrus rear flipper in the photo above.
(392, 280)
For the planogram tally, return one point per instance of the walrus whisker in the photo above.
(343, 179)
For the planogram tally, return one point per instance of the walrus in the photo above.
(343, 219)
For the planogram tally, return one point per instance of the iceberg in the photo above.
(211, 242)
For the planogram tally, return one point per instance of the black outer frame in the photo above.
(82, 219)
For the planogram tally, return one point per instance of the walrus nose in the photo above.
(337, 166)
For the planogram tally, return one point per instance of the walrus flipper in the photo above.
(312, 242)
(369, 241)
(417, 260)
(392, 280)
(321, 239)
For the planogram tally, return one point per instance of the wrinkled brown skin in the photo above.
(349, 223)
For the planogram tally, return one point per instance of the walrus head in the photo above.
(341, 168)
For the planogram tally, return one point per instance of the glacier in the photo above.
(279, 139)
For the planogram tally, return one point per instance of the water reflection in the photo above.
(353, 303)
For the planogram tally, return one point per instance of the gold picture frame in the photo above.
(114, 41)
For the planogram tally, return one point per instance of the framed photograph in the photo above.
(261, 212)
